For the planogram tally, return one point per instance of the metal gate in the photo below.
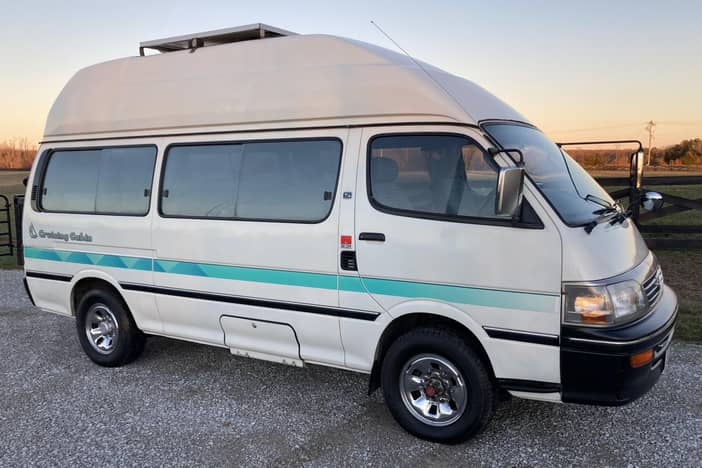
(667, 235)
(6, 243)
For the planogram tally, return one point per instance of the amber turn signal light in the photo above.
(642, 358)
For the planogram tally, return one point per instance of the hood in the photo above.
(607, 251)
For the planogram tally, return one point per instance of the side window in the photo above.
(201, 181)
(124, 185)
(291, 181)
(99, 181)
(441, 175)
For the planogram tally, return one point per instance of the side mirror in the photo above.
(508, 196)
(636, 168)
(652, 201)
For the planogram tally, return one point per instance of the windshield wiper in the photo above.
(620, 217)
(606, 211)
(612, 213)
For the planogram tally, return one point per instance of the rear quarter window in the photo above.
(99, 180)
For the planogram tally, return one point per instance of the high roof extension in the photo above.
(256, 77)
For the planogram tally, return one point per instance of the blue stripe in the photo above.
(456, 294)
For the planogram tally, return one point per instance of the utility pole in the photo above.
(650, 128)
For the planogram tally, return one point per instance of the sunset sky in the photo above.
(595, 69)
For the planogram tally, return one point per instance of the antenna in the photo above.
(421, 68)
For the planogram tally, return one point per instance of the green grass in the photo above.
(10, 185)
(681, 269)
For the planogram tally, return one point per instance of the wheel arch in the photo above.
(408, 321)
(92, 280)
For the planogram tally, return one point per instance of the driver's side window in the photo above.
(432, 175)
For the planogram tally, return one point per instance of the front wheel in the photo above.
(436, 386)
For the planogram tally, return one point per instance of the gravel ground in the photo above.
(187, 404)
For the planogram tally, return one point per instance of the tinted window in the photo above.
(438, 175)
(201, 181)
(272, 181)
(106, 181)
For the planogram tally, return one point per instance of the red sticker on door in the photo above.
(346, 242)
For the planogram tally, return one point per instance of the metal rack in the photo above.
(211, 38)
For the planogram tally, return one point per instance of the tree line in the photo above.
(685, 153)
(17, 153)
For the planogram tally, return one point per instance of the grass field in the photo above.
(681, 267)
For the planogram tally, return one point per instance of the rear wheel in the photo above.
(106, 330)
(436, 386)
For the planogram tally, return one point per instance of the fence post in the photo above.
(18, 203)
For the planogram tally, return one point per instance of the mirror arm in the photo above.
(495, 151)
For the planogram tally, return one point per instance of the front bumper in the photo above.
(595, 362)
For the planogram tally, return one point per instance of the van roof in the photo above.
(279, 82)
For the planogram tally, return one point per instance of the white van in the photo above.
(310, 199)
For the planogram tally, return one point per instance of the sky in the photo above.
(578, 70)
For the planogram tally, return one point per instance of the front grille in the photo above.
(653, 286)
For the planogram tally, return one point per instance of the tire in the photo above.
(106, 330)
(421, 377)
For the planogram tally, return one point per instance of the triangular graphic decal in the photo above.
(159, 266)
(191, 269)
(144, 264)
(79, 257)
(112, 261)
(94, 258)
(129, 261)
(62, 255)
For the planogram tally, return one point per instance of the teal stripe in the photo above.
(83, 258)
(351, 284)
(461, 294)
(409, 289)
(257, 275)
(41, 254)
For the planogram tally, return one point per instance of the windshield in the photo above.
(559, 177)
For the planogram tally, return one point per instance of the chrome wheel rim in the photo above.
(101, 328)
(433, 390)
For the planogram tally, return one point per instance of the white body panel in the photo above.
(303, 248)
(619, 247)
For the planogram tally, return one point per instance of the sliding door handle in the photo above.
(372, 236)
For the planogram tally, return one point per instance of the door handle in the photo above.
(372, 236)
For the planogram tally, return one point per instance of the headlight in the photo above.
(604, 305)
